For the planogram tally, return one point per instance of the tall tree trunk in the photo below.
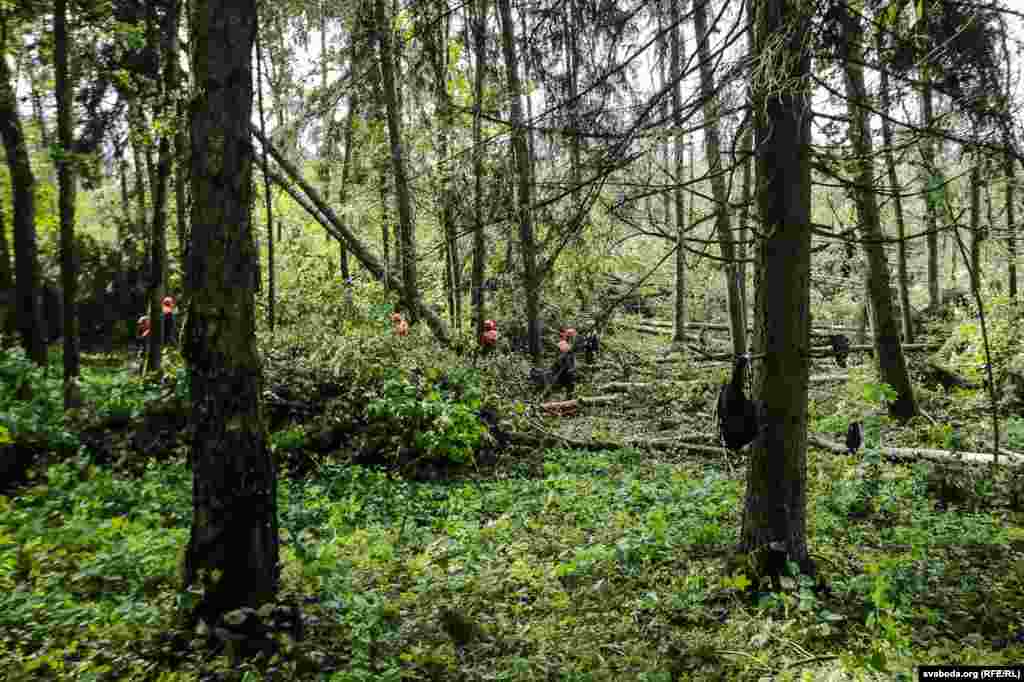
(712, 151)
(346, 170)
(573, 25)
(897, 191)
(66, 181)
(124, 230)
(267, 198)
(976, 232)
(6, 276)
(775, 510)
(137, 126)
(479, 9)
(385, 220)
(26, 265)
(747, 156)
(930, 176)
(746, 193)
(158, 243)
(327, 116)
(180, 165)
(437, 44)
(676, 57)
(407, 229)
(521, 152)
(892, 366)
(1011, 222)
(233, 549)
(311, 202)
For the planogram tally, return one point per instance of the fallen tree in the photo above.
(914, 454)
(310, 200)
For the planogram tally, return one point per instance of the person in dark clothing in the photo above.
(168, 307)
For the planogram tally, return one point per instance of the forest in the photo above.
(568, 340)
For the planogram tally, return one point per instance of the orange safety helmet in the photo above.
(168, 304)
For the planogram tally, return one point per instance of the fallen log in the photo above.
(560, 408)
(943, 456)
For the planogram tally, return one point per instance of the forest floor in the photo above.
(546, 563)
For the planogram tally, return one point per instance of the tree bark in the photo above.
(976, 232)
(66, 182)
(892, 367)
(897, 190)
(436, 40)
(26, 264)
(774, 512)
(405, 220)
(712, 152)
(137, 126)
(1011, 222)
(677, 56)
(346, 170)
(233, 549)
(158, 241)
(479, 23)
(6, 275)
(267, 198)
(930, 174)
(325, 215)
(521, 152)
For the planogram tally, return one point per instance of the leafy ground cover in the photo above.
(602, 566)
(536, 563)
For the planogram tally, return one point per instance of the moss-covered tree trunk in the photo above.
(524, 176)
(158, 236)
(66, 181)
(1009, 172)
(897, 206)
(720, 193)
(678, 56)
(478, 8)
(892, 366)
(233, 549)
(26, 264)
(138, 130)
(775, 510)
(6, 275)
(929, 176)
(406, 226)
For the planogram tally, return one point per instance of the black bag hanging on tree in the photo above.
(739, 418)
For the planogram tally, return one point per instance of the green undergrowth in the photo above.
(605, 566)
(31, 397)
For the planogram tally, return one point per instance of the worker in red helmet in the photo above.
(168, 308)
(400, 326)
(489, 337)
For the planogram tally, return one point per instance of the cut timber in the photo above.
(828, 378)
(715, 326)
(645, 329)
(622, 386)
(561, 408)
(944, 456)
